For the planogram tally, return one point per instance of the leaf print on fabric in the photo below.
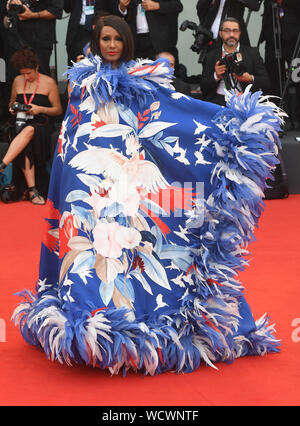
(108, 269)
(140, 277)
(80, 243)
(84, 261)
(155, 270)
(125, 287)
(106, 292)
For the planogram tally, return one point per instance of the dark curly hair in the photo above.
(25, 58)
(123, 29)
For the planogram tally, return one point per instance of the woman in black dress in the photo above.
(30, 134)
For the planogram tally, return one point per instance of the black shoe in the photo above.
(35, 198)
(2, 166)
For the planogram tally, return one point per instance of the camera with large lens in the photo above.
(233, 62)
(203, 38)
(22, 117)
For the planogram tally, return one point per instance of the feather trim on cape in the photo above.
(242, 147)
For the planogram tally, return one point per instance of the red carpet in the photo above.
(272, 285)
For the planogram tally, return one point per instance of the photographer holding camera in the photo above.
(32, 23)
(212, 12)
(34, 101)
(232, 66)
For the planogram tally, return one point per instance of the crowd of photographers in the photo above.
(221, 41)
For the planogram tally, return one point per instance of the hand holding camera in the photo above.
(23, 112)
(244, 78)
(24, 9)
(220, 70)
(18, 107)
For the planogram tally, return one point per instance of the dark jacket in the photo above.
(252, 61)
(74, 7)
(42, 31)
(289, 22)
(163, 23)
(207, 12)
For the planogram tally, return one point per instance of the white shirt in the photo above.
(141, 20)
(221, 86)
(216, 24)
(86, 10)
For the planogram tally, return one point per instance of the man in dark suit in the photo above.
(80, 23)
(154, 24)
(214, 71)
(212, 12)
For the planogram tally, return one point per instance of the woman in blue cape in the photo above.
(153, 199)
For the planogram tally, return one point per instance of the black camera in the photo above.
(22, 117)
(18, 107)
(15, 9)
(203, 38)
(233, 62)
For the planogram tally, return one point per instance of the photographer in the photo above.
(154, 24)
(32, 23)
(232, 66)
(212, 12)
(34, 101)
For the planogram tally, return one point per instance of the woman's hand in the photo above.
(36, 109)
(12, 111)
(220, 70)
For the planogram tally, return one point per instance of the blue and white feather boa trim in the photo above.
(204, 329)
(131, 80)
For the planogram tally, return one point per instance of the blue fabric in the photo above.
(153, 198)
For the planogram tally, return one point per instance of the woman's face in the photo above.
(29, 74)
(111, 45)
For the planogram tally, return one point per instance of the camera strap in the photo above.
(27, 102)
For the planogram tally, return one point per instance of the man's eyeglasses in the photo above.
(228, 30)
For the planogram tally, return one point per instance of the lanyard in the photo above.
(33, 94)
